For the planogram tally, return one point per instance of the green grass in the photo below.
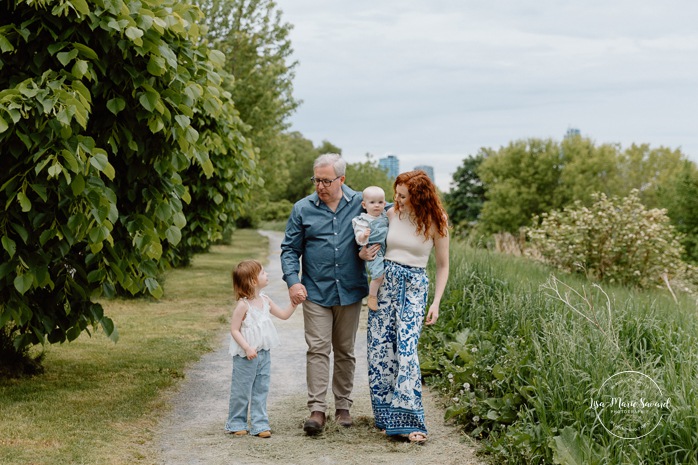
(98, 402)
(278, 225)
(518, 367)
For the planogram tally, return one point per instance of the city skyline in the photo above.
(391, 165)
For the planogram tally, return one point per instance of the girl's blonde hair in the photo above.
(245, 278)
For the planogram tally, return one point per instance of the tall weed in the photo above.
(520, 356)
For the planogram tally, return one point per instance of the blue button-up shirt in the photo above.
(333, 273)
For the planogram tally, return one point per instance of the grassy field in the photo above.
(98, 401)
(520, 357)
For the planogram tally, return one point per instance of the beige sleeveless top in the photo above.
(404, 246)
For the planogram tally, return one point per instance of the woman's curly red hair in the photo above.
(427, 208)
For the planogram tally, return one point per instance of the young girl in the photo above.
(253, 335)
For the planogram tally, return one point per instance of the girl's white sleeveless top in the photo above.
(257, 329)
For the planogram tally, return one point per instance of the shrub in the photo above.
(273, 211)
(616, 239)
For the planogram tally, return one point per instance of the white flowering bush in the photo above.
(615, 240)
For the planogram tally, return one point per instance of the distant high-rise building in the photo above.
(572, 132)
(391, 165)
(427, 169)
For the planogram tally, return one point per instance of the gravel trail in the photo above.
(191, 431)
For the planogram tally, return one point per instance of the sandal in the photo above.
(239, 433)
(264, 434)
(417, 437)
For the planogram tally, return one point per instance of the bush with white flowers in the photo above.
(615, 240)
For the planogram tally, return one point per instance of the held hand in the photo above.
(297, 293)
(433, 314)
(369, 252)
(251, 353)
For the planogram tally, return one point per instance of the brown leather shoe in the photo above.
(342, 417)
(315, 424)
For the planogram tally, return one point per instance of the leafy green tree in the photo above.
(465, 200)
(108, 110)
(680, 198)
(522, 181)
(256, 43)
(300, 154)
(648, 170)
(327, 147)
(588, 169)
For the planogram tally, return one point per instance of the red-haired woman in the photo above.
(418, 224)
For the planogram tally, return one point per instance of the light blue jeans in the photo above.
(248, 391)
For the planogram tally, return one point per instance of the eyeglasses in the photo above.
(325, 182)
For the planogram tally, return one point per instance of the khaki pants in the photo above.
(330, 329)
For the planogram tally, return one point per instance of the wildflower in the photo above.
(473, 350)
(466, 386)
(476, 419)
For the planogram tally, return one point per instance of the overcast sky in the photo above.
(433, 81)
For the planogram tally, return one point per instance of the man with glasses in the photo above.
(319, 234)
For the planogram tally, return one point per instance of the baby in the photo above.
(372, 228)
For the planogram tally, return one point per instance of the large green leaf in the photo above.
(66, 57)
(116, 105)
(24, 201)
(9, 246)
(156, 66)
(86, 51)
(81, 6)
(154, 287)
(174, 235)
(23, 282)
(149, 99)
(571, 448)
(5, 45)
(134, 33)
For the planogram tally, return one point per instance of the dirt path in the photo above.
(192, 431)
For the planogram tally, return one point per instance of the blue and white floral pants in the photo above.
(393, 366)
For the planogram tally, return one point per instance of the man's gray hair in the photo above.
(332, 159)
